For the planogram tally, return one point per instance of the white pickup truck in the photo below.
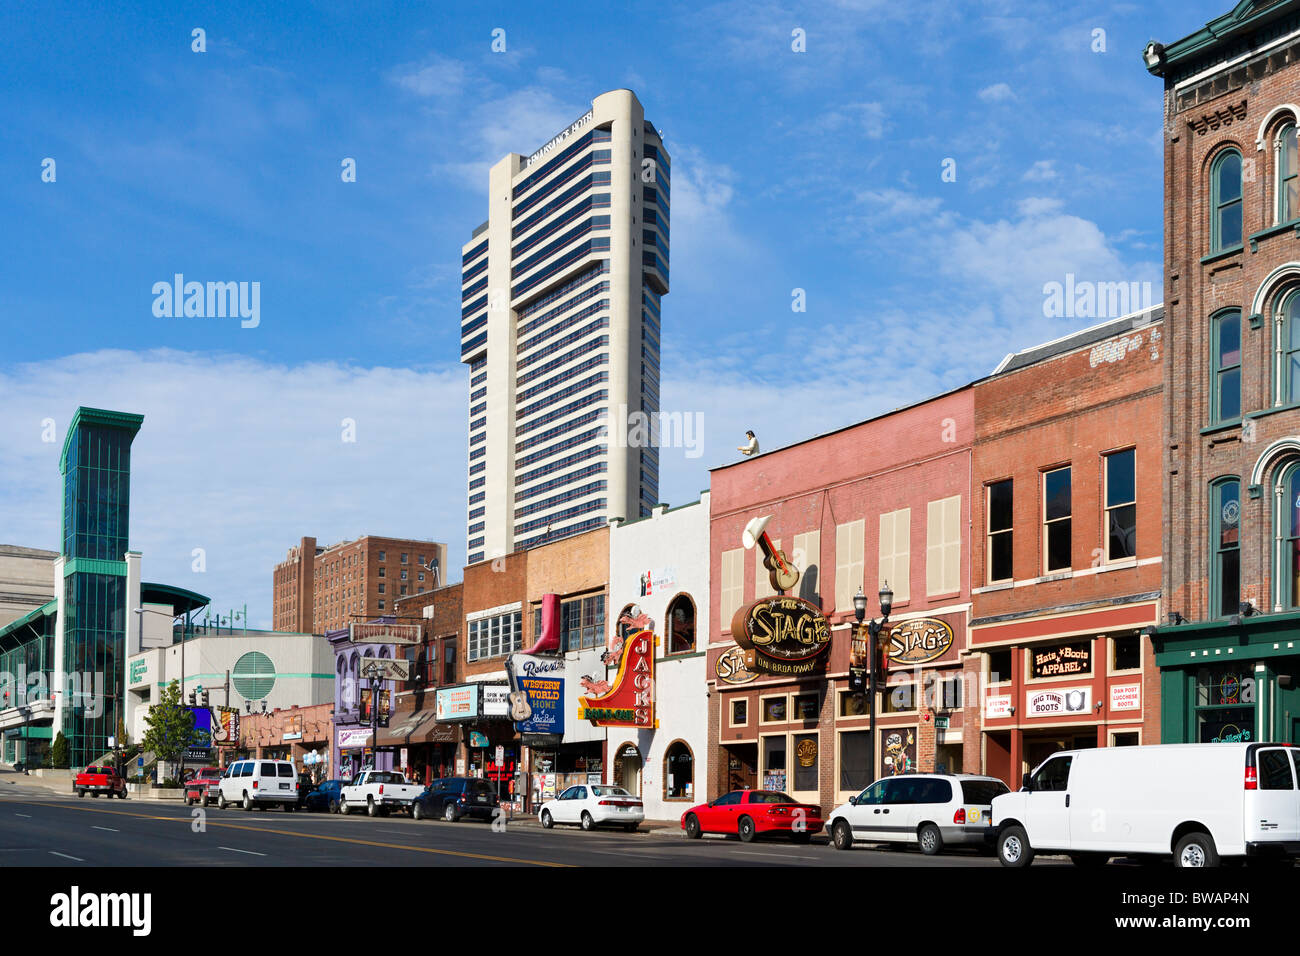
(378, 791)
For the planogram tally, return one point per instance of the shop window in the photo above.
(739, 712)
(774, 770)
(681, 625)
(944, 692)
(1057, 514)
(806, 707)
(899, 699)
(1224, 705)
(999, 666)
(853, 705)
(1126, 739)
(1225, 201)
(805, 762)
(1225, 366)
(1000, 540)
(1126, 653)
(679, 772)
(582, 622)
(774, 710)
(855, 760)
(1225, 517)
(1121, 505)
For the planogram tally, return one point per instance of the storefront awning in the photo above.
(418, 727)
(398, 734)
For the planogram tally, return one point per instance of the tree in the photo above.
(170, 726)
(59, 752)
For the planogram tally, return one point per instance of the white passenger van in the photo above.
(259, 783)
(1201, 803)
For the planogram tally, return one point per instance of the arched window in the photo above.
(1288, 538)
(1288, 174)
(679, 772)
(1225, 547)
(1225, 201)
(625, 631)
(681, 625)
(1225, 367)
(1287, 349)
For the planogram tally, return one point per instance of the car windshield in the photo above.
(770, 796)
(982, 792)
(610, 792)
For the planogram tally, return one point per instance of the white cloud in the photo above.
(437, 76)
(997, 93)
(1042, 171)
(242, 457)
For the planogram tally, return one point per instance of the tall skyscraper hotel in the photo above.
(560, 327)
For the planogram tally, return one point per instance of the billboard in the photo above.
(537, 693)
(457, 703)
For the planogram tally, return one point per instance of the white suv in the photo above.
(925, 809)
(259, 783)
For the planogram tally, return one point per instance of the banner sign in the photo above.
(380, 633)
(1126, 697)
(997, 706)
(782, 635)
(457, 703)
(919, 640)
(537, 693)
(353, 738)
(629, 701)
(385, 668)
(496, 700)
(385, 708)
(1062, 660)
(1058, 702)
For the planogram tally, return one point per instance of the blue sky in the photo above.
(820, 170)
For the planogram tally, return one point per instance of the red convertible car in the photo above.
(751, 813)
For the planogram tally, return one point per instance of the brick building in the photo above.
(1232, 366)
(288, 733)
(886, 500)
(319, 589)
(1066, 544)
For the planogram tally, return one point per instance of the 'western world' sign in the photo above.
(536, 693)
(629, 701)
(781, 635)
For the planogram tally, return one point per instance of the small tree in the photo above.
(59, 752)
(170, 726)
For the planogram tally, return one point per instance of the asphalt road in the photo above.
(40, 829)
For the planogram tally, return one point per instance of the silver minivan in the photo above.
(259, 783)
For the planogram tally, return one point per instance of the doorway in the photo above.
(1039, 747)
(741, 771)
(627, 768)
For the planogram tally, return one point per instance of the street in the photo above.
(42, 829)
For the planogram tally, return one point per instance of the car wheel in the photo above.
(81, 793)
(804, 837)
(417, 811)
(204, 802)
(334, 806)
(94, 795)
(547, 820)
(631, 827)
(248, 801)
(693, 830)
(371, 808)
(221, 801)
(122, 794)
(745, 830)
(931, 839)
(1089, 859)
(449, 813)
(842, 835)
(344, 809)
(1013, 847)
(1196, 850)
(587, 822)
(189, 801)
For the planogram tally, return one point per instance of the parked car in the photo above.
(932, 811)
(378, 791)
(259, 783)
(97, 780)
(750, 814)
(593, 805)
(1202, 803)
(324, 797)
(454, 797)
(203, 786)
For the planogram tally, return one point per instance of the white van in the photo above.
(1201, 803)
(259, 783)
(932, 811)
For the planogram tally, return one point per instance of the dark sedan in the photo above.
(323, 797)
(451, 798)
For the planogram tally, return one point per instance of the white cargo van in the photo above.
(1199, 802)
(259, 783)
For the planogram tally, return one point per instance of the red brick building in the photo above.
(883, 500)
(1232, 365)
(1066, 544)
(319, 589)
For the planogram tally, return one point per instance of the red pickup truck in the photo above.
(97, 780)
(203, 786)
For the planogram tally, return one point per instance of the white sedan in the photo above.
(593, 805)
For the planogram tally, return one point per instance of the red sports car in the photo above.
(751, 813)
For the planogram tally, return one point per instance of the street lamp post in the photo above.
(874, 628)
(372, 673)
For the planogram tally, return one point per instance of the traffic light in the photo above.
(190, 699)
(203, 696)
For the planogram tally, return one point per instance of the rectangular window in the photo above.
(848, 562)
(381, 555)
(943, 546)
(805, 762)
(895, 553)
(1225, 583)
(774, 771)
(582, 623)
(762, 585)
(740, 712)
(855, 760)
(806, 707)
(774, 710)
(900, 698)
(1121, 505)
(1056, 520)
(1225, 401)
(1000, 564)
(405, 556)
(733, 586)
(1126, 653)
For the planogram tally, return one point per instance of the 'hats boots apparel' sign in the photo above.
(781, 635)
(629, 701)
(1062, 660)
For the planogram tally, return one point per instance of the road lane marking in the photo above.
(316, 836)
(109, 829)
(66, 857)
(237, 850)
(27, 815)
